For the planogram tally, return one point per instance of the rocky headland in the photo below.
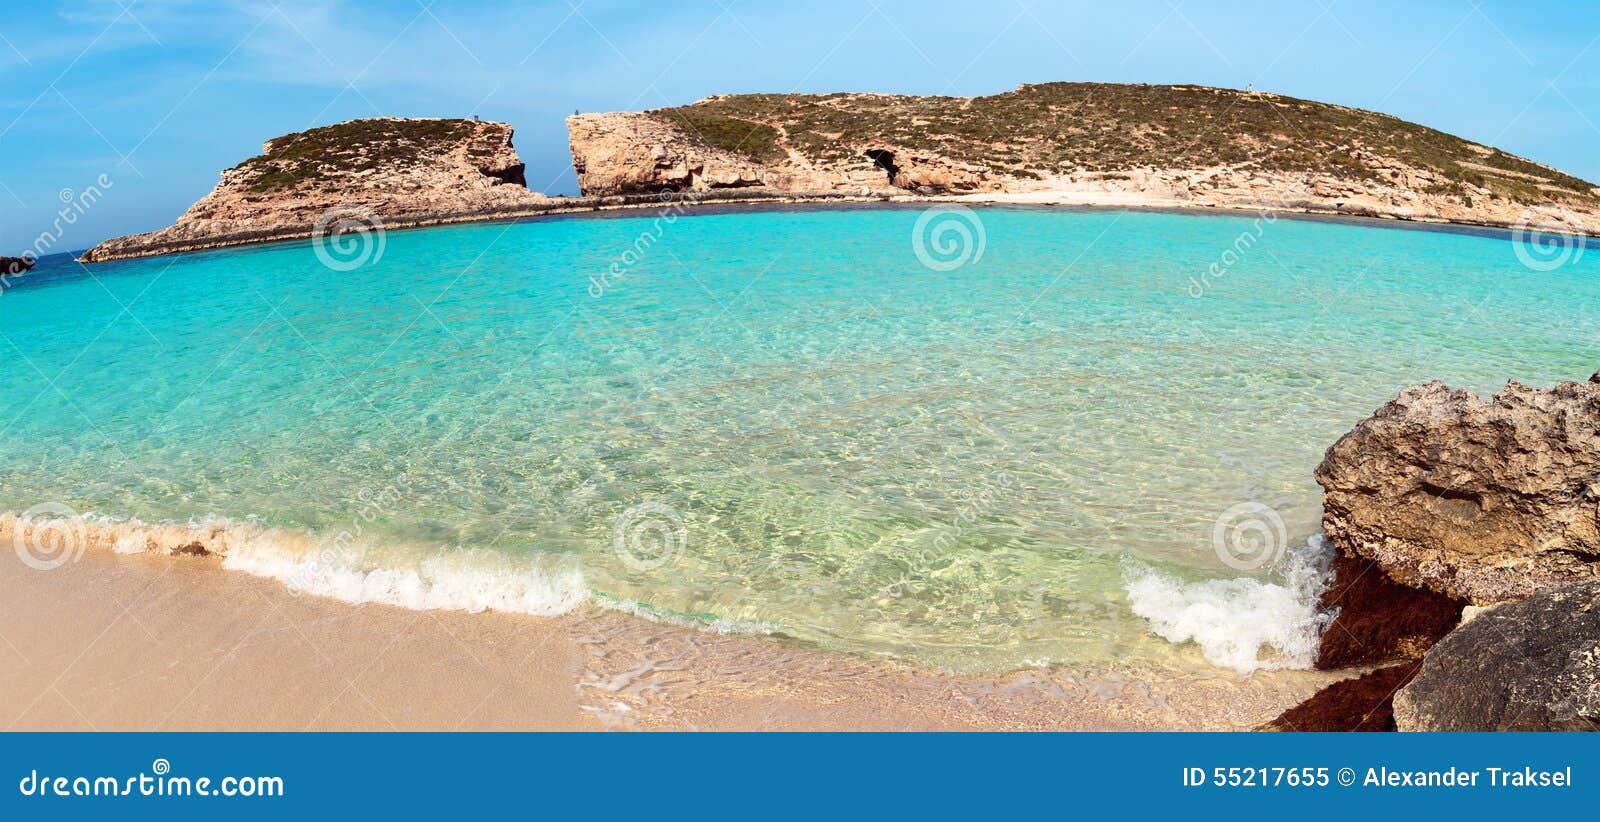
(390, 172)
(402, 172)
(11, 266)
(1092, 143)
(1468, 537)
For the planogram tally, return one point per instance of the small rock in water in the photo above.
(193, 549)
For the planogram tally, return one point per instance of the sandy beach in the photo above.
(149, 642)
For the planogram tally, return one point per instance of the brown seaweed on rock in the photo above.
(1361, 704)
(1379, 620)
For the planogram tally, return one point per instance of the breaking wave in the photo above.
(466, 580)
(1244, 624)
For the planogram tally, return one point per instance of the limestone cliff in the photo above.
(400, 171)
(1088, 142)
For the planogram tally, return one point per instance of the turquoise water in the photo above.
(780, 421)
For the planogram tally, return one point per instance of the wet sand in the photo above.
(149, 642)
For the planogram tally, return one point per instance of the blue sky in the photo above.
(160, 95)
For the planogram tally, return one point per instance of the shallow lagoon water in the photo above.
(782, 421)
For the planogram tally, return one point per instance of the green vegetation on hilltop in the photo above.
(1057, 128)
(320, 154)
(758, 141)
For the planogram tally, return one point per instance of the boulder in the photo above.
(1480, 501)
(10, 266)
(1532, 665)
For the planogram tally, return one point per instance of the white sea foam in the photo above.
(449, 580)
(460, 580)
(1244, 624)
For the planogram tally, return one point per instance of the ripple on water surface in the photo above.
(780, 421)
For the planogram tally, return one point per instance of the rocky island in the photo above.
(1091, 143)
(1159, 146)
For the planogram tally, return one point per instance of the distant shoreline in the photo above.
(736, 200)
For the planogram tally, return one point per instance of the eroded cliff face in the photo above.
(399, 171)
(1091, 143)
(643, 153)
(636, 154)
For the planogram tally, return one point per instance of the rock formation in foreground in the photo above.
(1532, 665)
(1481, 501)
(1097, 142)
(401, 171)
(10, 266)
(1442, 502)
